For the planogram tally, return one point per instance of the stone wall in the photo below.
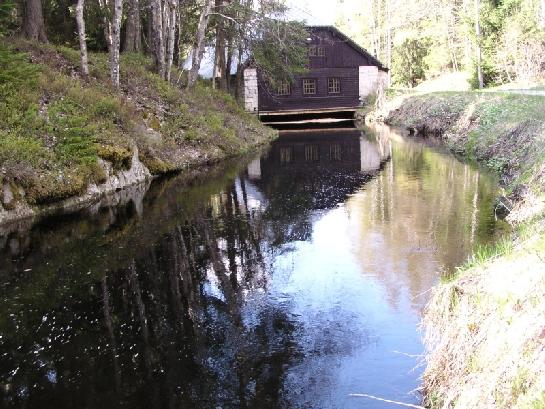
(251, 99)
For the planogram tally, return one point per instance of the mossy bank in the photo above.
(65, 141)
(484, 326)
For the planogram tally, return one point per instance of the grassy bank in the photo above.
(59, 135)
(484, 326)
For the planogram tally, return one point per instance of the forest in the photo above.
(493, 41)
(171, 32)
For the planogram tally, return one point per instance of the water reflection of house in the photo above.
(317, 169)
(343, 149)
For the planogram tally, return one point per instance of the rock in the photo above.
(8, 198)
(503, 207)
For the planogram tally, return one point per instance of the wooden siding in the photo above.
(348, 97)
(341, 60)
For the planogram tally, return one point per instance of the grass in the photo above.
(55, 126)
(484, 324)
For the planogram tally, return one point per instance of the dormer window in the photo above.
(316, 51)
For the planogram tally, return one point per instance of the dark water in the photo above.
(287, 281)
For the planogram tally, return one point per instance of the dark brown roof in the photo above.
(350, 42)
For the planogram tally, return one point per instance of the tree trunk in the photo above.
(33, 21)
(228, 64)
(389, 38)
(116, 40)
(157, 42)
(112, 31)
(177, 37)
(82, 41)
(198, 48)
(173, 9)
(374, 34)
(133, 32)
(542, 14)
(219, 70)
(478, 37)
(238, 82)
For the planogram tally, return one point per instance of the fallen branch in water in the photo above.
(363, 395)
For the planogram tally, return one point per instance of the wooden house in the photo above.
(341, 75)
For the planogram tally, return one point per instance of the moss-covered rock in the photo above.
(55, 127)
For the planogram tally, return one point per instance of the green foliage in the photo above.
(75, 133)
(7, 11)
(491, 76)
(409, 64)
(537, 403)
(16, 70)
(279, 50)
(119, 157)
(54, 127)
(18, 109)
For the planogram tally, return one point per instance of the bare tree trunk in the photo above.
(177, 37)
(389, 38)
(81, 35)
(374, 34)
(228, 63)
(133, 32)
(112, 31)
(198, 49)
(158, 47)
(238, 82)
(219, 65)
(33, 21)
(542, 14)
(116, 40)
(173, 10)
(380, 27)
(478, 37)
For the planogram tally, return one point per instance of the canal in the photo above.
(290, 279)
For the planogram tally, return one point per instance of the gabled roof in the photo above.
(350, 42)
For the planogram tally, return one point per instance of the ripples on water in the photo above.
(287, 281)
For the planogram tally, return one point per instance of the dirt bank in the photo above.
(64, 142)
(484, 326)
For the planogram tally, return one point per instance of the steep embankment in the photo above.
(65, 141)
(485, 326)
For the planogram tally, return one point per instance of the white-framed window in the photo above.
(284, 88)
(320, 51)
(312, 51)
(309, 86)
(334, 85)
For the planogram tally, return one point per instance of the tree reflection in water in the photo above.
(163, 299)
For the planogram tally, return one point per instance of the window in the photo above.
(334, 85)
(286, 154)
(309, 86)
(320, 51)
(335, 152)
(312, 153)
(284, 88)
(312, 51)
